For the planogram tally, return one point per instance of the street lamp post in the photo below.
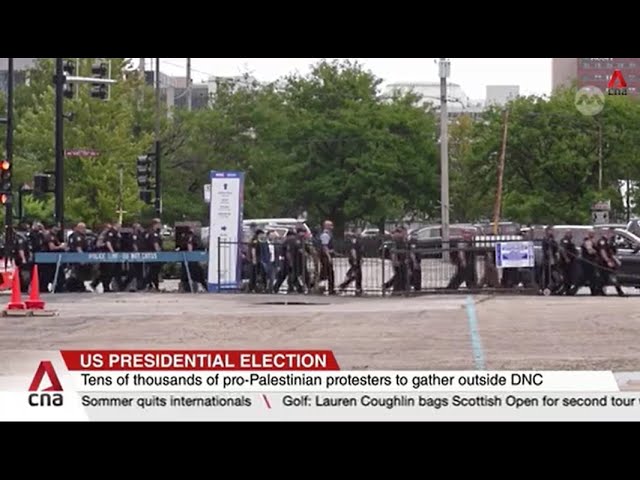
(445, 69)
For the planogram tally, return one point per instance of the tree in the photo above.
(353, 154)
(109, 127)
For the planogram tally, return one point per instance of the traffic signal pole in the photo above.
(158, 202)
(8, 215)
(59, 146)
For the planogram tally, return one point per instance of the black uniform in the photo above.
(568, 262)
(613, 252)
(291, 267)
(190, 243)
(75, 281)
(549, 262)
(464, 259)
(589, 263)
(152, 239)
(20, 245)
(108, 271)
(415, 268)
(355, 266)
(49, 270)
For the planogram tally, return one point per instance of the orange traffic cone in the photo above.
(35, 302)
(16, 300)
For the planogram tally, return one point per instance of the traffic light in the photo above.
(69, 69)
(100, 71)
(5, 177)
(144, 167)
(4, 198)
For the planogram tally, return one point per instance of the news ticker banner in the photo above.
(295, 385)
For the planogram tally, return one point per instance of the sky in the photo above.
(533, 75)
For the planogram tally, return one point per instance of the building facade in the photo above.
(20, 67)
(594, 72)
(500, 95)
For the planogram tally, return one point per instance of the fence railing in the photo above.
(383, 269)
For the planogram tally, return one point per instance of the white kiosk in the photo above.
(225, 231)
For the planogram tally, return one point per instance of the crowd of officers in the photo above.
(305, 260)
(112, 238)
(565, 269)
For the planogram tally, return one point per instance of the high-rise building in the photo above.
(594, 71)
(501, 94)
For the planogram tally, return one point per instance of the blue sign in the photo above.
(119, 257)
(515, 255)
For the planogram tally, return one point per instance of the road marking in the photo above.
(476, 344)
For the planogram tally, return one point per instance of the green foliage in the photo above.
(326, 143)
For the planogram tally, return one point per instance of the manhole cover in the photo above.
(291, 303)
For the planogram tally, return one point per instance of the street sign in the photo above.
(80, 152)
(515, 255)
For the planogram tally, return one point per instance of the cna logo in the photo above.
(617, 84)
(45, 398)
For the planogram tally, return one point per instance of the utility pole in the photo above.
(8, 216)
(189, 91)
(503, 154)
(158, 200)
(59, 146)
(121, 211)
(141, 67)
(445, 69)
(599, 156)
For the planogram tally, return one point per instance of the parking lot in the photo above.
(428, 333)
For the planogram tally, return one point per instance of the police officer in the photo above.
(108, 242)
(256, 257)
(35, 240)
(589, 263)
(190, 243)
(77, 244)
(290, 268)
(391, 253)
(549, 259)
(568, 255)
(612, 250)
(415, 267)
(153, 243)
(136, 270)
(464, 258)
(51, 243)
(326, 256)
(355, 263)
(605, 264)
(21, 257)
